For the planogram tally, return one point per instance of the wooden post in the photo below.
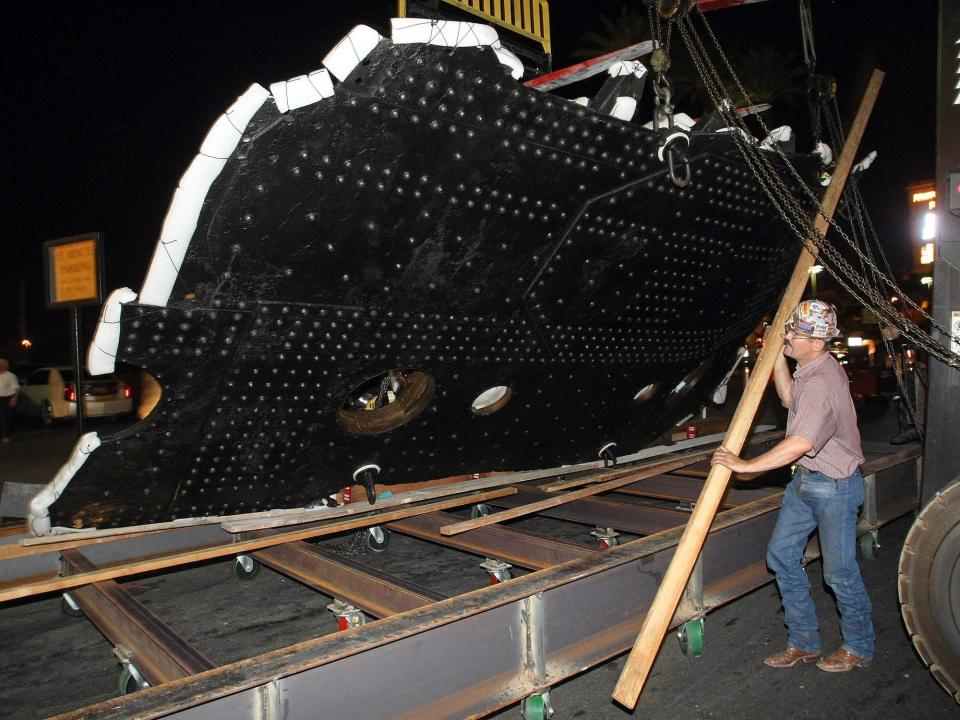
(664, 605)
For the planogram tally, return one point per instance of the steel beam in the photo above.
(437, 666)
(517, 548)
(158, 653)
(372, 591)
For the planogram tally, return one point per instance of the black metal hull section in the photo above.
(433, 215)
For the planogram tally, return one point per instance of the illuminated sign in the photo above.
(956, 100)
(927, 253)
(72, 267)
(925, 196)
(929, 230)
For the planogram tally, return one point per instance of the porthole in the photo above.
(646, 393)
(385, 401)
(491, 400)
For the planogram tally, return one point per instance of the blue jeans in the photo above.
(813, 500)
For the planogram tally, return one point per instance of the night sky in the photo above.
(106, 103)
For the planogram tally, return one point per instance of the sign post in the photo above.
(73, 276)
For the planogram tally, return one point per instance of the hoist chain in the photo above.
(793, 213)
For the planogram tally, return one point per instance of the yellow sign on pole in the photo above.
(73, 270)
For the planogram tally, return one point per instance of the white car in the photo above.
(50, 393)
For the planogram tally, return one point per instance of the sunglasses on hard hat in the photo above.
(790, 328)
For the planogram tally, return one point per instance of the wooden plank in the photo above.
(327, 513)
(657, 620)
(23, 590)
(628, 478)
(693, 456)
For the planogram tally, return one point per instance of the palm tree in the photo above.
(630, 27)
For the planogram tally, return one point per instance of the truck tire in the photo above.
(929, 586)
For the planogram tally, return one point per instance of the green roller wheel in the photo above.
(869, 546)
(535, 707)
(690, 635)
(127, 684)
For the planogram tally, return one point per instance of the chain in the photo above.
(794, 214)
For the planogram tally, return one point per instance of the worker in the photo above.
(825, 493)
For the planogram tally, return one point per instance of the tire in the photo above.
(929, 587)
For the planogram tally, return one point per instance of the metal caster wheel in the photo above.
(69, 607)
(245, 567)
(378, 538)
(536, 707)
(869, 545)
(129, 681)
(479, 510)
(690, 635)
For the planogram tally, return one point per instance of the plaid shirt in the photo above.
(821, 411)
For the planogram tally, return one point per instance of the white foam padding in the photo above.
(451, 33)
(627, 67)
(446, 33)
(102, 353)
(777, 135)
(506, 57)
(38, 518)
(865, 163)
(824, 151)
(184, 211)
(624, 107)
(351, 51)
(302, 90)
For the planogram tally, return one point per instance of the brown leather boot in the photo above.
(842, 661)
(790, 656)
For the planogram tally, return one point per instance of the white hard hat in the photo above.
(814, 319)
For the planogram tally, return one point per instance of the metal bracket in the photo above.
(347, 615)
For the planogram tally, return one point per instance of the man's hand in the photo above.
(724, 457)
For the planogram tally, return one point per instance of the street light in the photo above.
(814, 271)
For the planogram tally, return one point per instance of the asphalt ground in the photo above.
(52, 663)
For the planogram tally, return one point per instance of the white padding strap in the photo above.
(627, 67)
(184, 211)
(351, 51)
(102, 353)
(445, 33)
(624, 107)
(38, 518)
(450, 33)
(506, 57)
(302, 90)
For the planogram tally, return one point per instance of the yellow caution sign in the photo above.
(73, 270)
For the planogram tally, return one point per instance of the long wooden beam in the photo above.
(657, 619)
(46, 585)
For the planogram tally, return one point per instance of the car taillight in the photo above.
(127, 392)
(69, 394)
